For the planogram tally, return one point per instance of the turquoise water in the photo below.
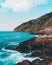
(10, 57)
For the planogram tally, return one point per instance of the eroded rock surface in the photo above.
(45, 61)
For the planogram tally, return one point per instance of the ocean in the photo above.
(12, 39)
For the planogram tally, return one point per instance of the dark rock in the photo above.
(40, 46)
(50, 61)
(45, 61)
(36, 53)
(23, 48)
(19, 63)
(36, 62)
(25, 62)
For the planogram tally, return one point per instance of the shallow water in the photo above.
(10, 57)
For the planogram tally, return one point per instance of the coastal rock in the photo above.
(36, 62)
(45, 61)
(44, 39)
(39, 46)
(25, 62)
(50, 61)
(36, 53)
(23, 48)
(46, 31)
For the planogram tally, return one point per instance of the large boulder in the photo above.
(36, 62)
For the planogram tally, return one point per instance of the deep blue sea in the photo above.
(8, 38)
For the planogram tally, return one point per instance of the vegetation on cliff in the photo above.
(36, 24)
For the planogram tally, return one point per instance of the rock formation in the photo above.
(36, 25)
(40, 46)
(37, 46)
(46, 61)
(25, 62)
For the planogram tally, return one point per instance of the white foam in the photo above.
(37, 35)
(12, 43)
(8, 50)
(16, 57)
(19, 57)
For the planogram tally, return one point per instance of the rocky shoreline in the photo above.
(45, 61)
(40, 46)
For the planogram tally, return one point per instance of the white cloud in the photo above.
(21, 5)
(40, 2)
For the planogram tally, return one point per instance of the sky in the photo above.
(15, 12)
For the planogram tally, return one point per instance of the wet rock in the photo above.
(36, 53)
(45, 61)
(19, 63)
(25, 62)
(36, 62)
(23, 48)
(40, 46)
(50, 61)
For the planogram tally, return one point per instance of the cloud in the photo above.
(21, 5)
(40, 2)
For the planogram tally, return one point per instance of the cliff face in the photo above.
(40, 46)
(37, 24)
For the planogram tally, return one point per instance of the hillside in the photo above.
(37, 24)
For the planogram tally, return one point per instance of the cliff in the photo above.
(40, 46)
(36, 25)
